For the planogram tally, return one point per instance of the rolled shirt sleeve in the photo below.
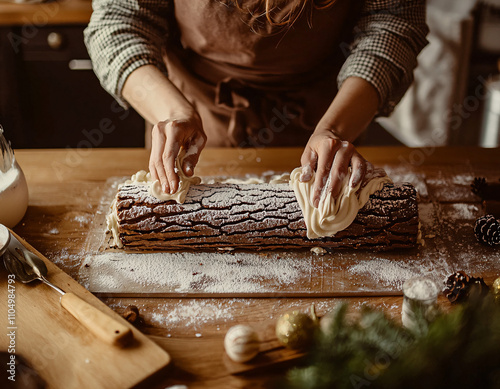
(388, 36)
(124, 35)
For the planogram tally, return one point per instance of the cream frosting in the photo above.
(420, 239)
(335, 214)
(280, 179)
(240, 181)
(144, 178)
(112, 225)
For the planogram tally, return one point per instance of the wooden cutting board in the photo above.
(447, 208)
(117, 273)
(60, 349)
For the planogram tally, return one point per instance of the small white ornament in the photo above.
(241, 343)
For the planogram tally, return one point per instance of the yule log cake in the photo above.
(263, 217)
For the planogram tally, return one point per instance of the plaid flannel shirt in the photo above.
(387, 37)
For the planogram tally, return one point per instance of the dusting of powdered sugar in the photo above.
(223, 205)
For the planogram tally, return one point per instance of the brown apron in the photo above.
(256, 89)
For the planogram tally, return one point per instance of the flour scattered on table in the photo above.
(465, 179)
(461, 211)
(387, 271)
(427, 215)
(191, 272)
(65, 260)
(400, 174)
(394, 273)
(83, 219)
(194, 313)
(450, 189)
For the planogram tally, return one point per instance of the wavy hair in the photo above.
(280, 13)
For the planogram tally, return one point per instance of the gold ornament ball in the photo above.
(295, 330)
(241, 343)
(496, 287)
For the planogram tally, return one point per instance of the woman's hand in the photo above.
(329, 150)
(168, 137)
(331, 157)
(154, 96)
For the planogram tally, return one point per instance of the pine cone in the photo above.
(478, 186)
(459, 287)
(485, 190)
(455, 286)
(487, 230)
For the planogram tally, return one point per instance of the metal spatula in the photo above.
(26, 267)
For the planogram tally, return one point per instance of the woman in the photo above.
(254, 73)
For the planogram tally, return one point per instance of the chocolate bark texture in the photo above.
(258, 217)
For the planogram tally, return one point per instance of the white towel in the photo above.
(428, 113)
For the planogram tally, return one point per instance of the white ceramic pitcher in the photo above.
(13, 186)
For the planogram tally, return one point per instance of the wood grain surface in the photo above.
(66, 187)
(64, 352)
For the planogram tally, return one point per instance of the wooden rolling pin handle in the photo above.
(99, 323)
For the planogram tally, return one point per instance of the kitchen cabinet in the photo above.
(49, 96)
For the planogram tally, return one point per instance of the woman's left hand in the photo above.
(331, 157)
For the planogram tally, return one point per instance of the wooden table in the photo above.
(65, 189)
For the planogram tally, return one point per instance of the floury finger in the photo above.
(340, 168)
(156, 166)
(193, 154)
(326, 154)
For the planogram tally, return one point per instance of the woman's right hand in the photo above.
(168, 137)
(154, 96)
